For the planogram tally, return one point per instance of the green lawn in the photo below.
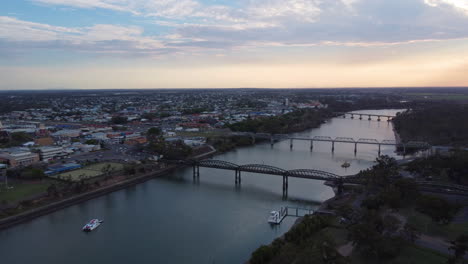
(89, 172)
(339, 235)
(410, 254)
(425, 224)
(100, 166)
(22, 191)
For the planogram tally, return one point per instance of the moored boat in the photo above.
(91, 225)
(274, 217)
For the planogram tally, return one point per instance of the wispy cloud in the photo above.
(460, 5)
(194, 26)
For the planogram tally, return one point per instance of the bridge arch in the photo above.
(218, 164)
(261, 168)
(312, 174)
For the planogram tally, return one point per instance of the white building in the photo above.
(50, 153)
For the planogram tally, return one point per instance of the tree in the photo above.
(52, 190)
(437, 208)
(33, 173)
(119, 120)
(153, 133)
(410, 233)
(92, 142)
(459, 247)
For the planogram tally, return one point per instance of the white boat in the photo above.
(276, 217)
(91, 225)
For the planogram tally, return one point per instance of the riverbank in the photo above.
(58, 205)
(79, 198)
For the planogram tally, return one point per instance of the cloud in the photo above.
(17, 34)
(195, 26)
(118, 5)
(302, 10)
(460, 5)
(160, 8)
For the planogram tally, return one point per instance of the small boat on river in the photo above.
(91, 225)
(346, 165)
(276, 217)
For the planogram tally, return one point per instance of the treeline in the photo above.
(304, 243)
(296, 121)
(452, 168)
(15, 139)
(226, 143)
(439, 125)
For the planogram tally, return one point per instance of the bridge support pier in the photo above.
(378, 118)
(238, 178)
(379, 150)
(285, 184)
(389, 119)
(360, 117)
(253, 140)
(196, 171)
(369, 118)
(291, 143)
(352, 116)
(355, 148)
(333, 146)
(311, 145)
(272, 141)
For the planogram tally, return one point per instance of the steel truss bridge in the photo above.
(311, 174)
(346, 140)
(369, 116)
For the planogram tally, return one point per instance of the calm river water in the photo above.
(174, 220)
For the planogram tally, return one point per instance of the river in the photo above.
(174, 220)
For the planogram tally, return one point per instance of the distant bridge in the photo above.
(347, 140)
(311, 174)
(369, 116)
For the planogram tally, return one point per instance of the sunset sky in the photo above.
(50, 44)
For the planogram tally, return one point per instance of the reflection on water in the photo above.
(176, 220)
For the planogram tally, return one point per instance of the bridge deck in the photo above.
(312, 174)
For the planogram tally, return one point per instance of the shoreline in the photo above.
(76, 199)
(31, 214)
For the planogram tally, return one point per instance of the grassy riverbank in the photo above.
(386, 220)
(20, 191)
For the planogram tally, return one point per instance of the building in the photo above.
(62, 168)
(18, 157)
(50, 153)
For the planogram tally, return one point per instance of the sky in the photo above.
(83, 44)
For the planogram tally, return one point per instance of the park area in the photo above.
(21, 191)
(89, 172)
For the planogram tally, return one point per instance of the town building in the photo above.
(50, 153)
(18, 157)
